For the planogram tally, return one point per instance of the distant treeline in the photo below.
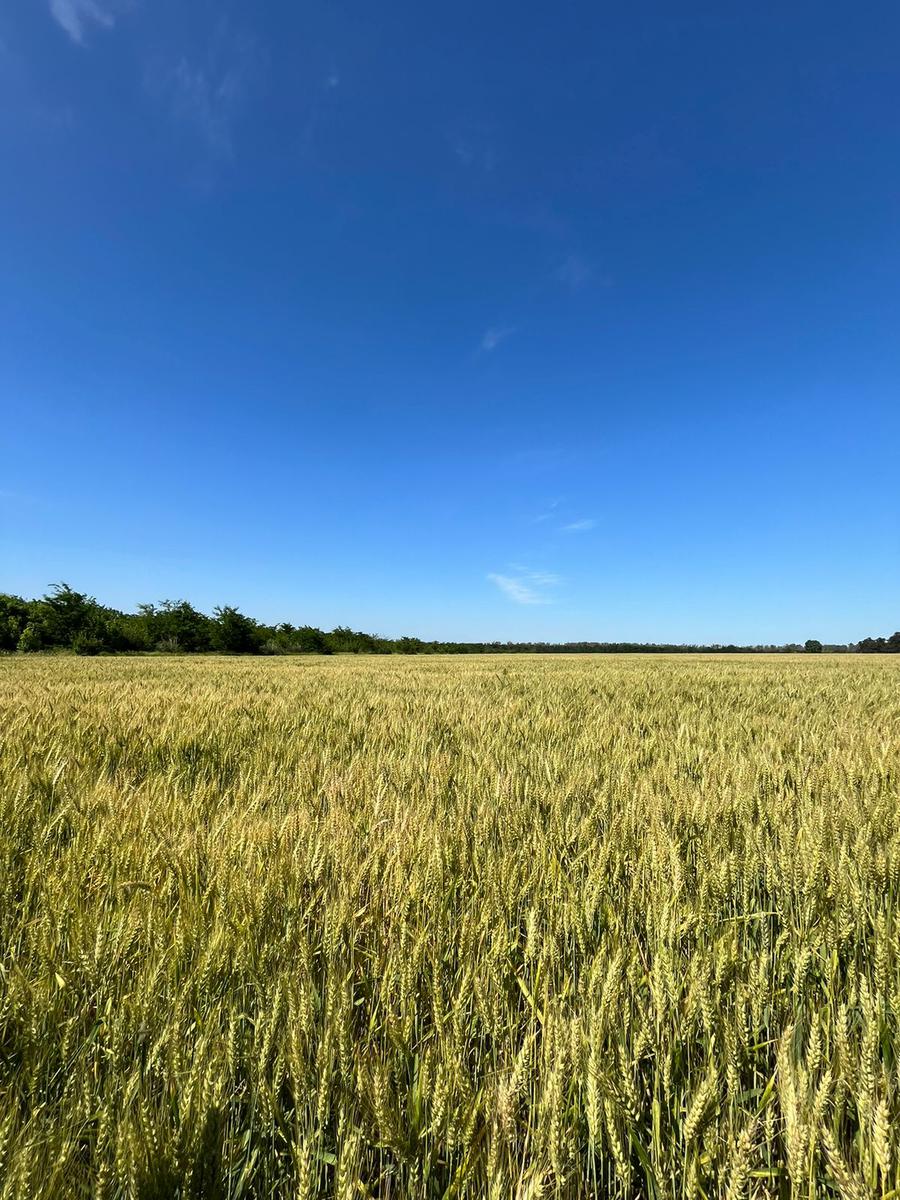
(68, 620)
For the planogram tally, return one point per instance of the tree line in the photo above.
(65, 619)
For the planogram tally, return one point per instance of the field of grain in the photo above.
(489, 927)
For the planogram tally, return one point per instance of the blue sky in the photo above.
(558, 321)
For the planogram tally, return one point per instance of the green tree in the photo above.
(235, 633)
(309, 640)
(14, 613)
(177, 623)
(812, 646)
(64, 613)
(409, 645)
(64, 617)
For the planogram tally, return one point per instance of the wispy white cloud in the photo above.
(574, 271)
(528, 587)
(474, 151)
(548, 512)
(321, 99)
(205, 95)
(492, 338)
(205, 102)
(581, 526)
(76, 17)
(516, 590)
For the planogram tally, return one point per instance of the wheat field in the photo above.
(488, 927)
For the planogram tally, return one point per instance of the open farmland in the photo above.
(506, 927)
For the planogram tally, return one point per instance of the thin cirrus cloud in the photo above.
(203, 102)
(492, 338)
(473, 147)
(76, 17)
(530, 587)
(574, 271)
(205, 96)
(548, 513)
(581, 526)
(471, 155)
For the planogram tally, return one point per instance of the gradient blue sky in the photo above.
(471, 320)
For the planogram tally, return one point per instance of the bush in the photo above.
(86, 645)
(30, 641)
